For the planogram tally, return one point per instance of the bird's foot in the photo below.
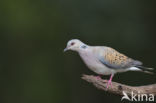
(109, 83)
(98, 77)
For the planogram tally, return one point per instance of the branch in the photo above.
(118, 88)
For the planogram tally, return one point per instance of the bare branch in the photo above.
(117, 88)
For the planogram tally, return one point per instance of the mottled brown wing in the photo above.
(115, 60)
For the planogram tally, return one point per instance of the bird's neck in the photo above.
(83, 49)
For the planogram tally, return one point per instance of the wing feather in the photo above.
(115, 60)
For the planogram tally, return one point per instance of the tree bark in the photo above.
(118, 88)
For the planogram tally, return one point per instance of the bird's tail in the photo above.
(145, 69)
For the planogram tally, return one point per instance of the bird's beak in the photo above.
(65, 49)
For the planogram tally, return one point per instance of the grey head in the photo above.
(75, 45)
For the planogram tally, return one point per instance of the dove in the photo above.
(105, 60)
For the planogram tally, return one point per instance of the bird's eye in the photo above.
(72, 43)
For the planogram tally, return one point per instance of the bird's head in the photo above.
(75, 45)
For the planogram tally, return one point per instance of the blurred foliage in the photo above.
(33, 67)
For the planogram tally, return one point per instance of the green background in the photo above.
(33, 34)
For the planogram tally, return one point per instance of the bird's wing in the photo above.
(115, 60)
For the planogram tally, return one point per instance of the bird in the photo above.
(104, 60)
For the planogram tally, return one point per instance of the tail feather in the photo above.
(148, 72)
(146, 69)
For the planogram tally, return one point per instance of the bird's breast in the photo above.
(94, 64)
(89, 59)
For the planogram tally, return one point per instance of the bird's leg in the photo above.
(110, 81)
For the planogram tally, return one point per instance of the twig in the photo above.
(118, 88)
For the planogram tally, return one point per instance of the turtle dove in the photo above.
(104, 60)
